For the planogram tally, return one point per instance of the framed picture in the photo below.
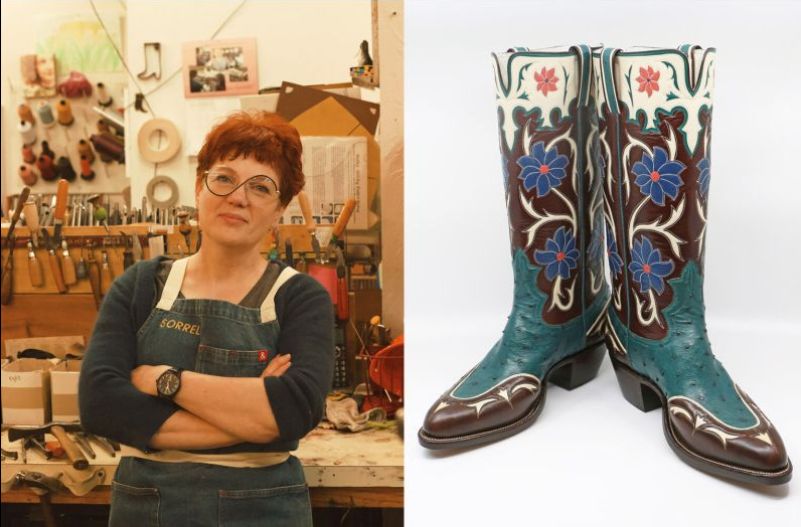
(220, 68)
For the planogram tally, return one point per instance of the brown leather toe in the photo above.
(757, 448)
(505, 403)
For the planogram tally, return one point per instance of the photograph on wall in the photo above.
(220, 68)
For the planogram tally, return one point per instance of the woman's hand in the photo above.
(144, 378)
(278, 366)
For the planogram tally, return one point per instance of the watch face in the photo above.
(169, 383)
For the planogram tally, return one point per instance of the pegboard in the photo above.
(110, 178)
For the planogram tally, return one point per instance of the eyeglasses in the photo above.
(261, 188)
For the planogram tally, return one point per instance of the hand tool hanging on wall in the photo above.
(34, 267)
(343, 219)
(61, 208)
(136, 248)
(127, 255)
(81, 272)
(94, 275)
(343, 311)
(31, 213)
(6, 285)
(305, 208)
(185, 229)
(55, 264)
(152, 61)
(68, 265)
(106, 272)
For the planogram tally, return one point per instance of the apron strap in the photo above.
(172, 287)
(268, 306)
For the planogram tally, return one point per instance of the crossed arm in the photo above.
(215, 411)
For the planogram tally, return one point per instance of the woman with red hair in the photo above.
(210, 368)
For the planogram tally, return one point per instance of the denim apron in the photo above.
(217, 338)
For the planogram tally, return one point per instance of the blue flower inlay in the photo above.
(560, 256)
(658, 176)
(542, 169)
(615, 261)
(647, 267)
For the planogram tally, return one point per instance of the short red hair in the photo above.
(266, 137)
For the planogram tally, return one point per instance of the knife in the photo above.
(55, 265)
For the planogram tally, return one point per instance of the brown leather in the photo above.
(756, 448)
(505, 403)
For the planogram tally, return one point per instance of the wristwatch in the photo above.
(169, 382)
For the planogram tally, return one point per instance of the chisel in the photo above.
(6, 286)
(68, 265)
(127, 254)
(31, 212)
(61, 209)
(55, 264)
(34, 267)
(342, 220)
(94, 276)
(105, 269)
(305, 208)
(136, 248)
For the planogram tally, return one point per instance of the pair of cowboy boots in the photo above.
(606, 159)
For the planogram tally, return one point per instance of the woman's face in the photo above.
(240, 219)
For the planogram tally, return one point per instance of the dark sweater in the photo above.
(111, 406)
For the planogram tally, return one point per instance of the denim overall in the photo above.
(217, 338)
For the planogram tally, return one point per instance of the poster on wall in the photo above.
(38, 75)
(80, 41)
(220, 68)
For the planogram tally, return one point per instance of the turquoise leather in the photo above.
(682, 363)
(529, 344)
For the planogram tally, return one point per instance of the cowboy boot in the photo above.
(655, 110)
(548, 132)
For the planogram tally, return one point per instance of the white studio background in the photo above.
(591, 457)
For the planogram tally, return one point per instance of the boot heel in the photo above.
(634, 390)
(581, 369)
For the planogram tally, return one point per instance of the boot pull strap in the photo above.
(688, 50)
(584, 54)
(608, 78)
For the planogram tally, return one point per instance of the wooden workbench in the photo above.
(342, 469)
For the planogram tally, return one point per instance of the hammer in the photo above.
(59, 430)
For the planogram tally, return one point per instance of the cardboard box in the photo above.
(64, 390)
(26, 392)
(58, 346)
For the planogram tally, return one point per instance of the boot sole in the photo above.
(569, 373)
(645, 395)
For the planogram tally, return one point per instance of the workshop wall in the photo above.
(288, 48)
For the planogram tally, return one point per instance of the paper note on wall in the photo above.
(335, 169)
(202, 115)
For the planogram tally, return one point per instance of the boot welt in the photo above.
(697, 461)
(591, 353)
